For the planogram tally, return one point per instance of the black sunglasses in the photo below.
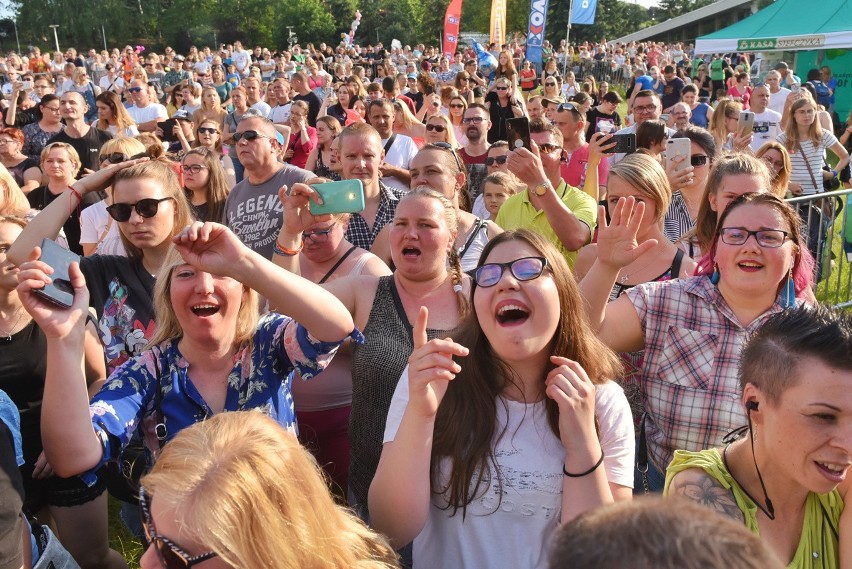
(170, 554)
(147, 208)
(118, 157)
(207, 130)
(698, 159)
(249, 135)
(524, 269)
(436, 127)
(498, 159)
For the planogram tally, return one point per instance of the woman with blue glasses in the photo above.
(497, 436)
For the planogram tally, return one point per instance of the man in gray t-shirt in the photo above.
(253, 210)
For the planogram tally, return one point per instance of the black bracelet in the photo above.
(586, 473)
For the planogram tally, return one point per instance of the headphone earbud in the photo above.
(751, 405)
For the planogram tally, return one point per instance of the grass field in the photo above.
(120, 539)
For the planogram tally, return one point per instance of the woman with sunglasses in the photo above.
(502, 105)
(464, 87)
(516, 415)
(113, 116)
(784, 475)
(439, 129)
(457, 107)
(38, 133)
(174, 101)
(209, 136)
(319, 160)
(205, 183)
(216, 492)
(24, 170)
(688, 181)
(692, 329)
(428, 272)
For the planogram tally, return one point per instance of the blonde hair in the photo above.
(448, 125)
(646, 175)
(124, 144)
(727, 108)
(205, 113)
(504, 180)
(72, 153)
(246, 489)
(160, 171)
(13, 201)
(791, 129)
(781, 181)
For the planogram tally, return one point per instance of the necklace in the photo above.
(8, 335)
(626, 276)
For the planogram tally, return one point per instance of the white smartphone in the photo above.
(678, 147)
(27, 85)
(745, 123)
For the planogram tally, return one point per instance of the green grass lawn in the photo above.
(834, 289)
(120, 539)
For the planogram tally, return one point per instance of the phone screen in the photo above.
(518, 133)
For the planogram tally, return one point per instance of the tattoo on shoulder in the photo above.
(700, 487)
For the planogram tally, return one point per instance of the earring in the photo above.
(714, 278)
(788, 293)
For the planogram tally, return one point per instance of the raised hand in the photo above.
(574, 393)
(599, 143)
(430, 368)
(103, 178)
(679, 175)
(617, 245)
(211, 247)
(297, 212)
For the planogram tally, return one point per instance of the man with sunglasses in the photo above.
(86, 140)
(563, 214)
(576, 156)
(253, 210)
(144, 112)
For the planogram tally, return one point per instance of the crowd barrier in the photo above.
(827, 223)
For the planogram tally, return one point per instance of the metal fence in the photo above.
(827, 225)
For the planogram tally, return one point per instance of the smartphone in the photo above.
(345, 196)
(678, 147)
(795, 88)
(625, 143)
(664, 117)
(59, 291)
(745, 124)
(518, 133)
(27, 85)
(168, 126)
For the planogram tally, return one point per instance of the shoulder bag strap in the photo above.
(160, 428)
(389, 143)
(337, 264)
(476, 228)
(808, 165)
(676, 264)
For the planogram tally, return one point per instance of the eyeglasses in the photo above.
(769, 238)
(548, 148)
(193, 168)
(472, 120)
(446, 146)
(524, 269)
(775, 164)
(250, 135)
(134, 89)
(319, 236)
(498, 159)
(170, 554)
(52, 109)
(7, 141)
(207, 130)
(117, 157)
(436, 127)
(698, 159)
(645, 109)
(146, 208)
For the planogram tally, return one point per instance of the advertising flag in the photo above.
(498, 22)
(584, 12)
(452, 21)
(535, 35)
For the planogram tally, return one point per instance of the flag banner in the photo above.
(584, 12)
(498, 22)
(535, 35)
(452, 21)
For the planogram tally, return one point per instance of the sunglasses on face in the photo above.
(134, 89)
(146, 208)
(456, 106)
(117, 157)
(548, 148)
(250, 135)
(525, 269)
(501, 88)
(498, 159)
(207, 130)
(170, 554)
(699, 159)
(550, 84)
(436, 127)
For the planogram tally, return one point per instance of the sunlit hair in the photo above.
(18, 220)
(126, 145)
(241, 91)
(301, 105)
(69, 150)
(646, 175)
(162, 172)
(507, 71)
(503, 179)
(791, 129)
(332, 124)
(449, 133)
(360, 130)
(781, 180)
(727, 108)
(776, 355)
(207, 123)
(242, 486)
(13, 201)
(79, 74)
(169, 326)
(214, 114)
(732, 164)
(803, 263)
(466, 424)
(217, 183)
(122, 118)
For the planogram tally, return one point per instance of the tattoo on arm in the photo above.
(698, 486)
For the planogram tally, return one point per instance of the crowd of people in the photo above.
(482, 366)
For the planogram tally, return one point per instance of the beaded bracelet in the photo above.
(284, 251)
(586, 473)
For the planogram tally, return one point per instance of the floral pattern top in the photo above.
(260, 380)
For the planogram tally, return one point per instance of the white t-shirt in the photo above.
(401, 154)
(814, 154)
(280, 114)
(261, 107)
(94, 220)
(767, 126)
(241, 60)
(514, 531)
(129, 131)
(151, 112)
(115, 84)
(777, 100)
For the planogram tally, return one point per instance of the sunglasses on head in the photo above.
(524, 269)
(170, 554)
(146, 208)
(118, 157)
(436, 127)
(447, 147)
(498, 159)
(249, 135)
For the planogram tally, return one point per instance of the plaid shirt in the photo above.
(690, 386)
(359, 233)
(677, 222)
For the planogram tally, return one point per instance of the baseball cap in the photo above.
(182, 115)
(781, 65)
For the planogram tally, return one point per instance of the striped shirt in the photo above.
(677, 222)
(689, 383)
(815, 156)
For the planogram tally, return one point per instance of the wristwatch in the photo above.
(542, 188)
